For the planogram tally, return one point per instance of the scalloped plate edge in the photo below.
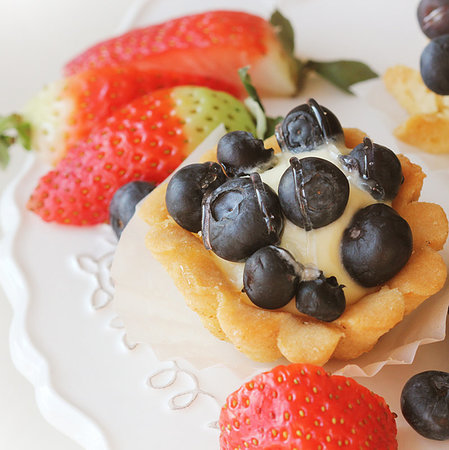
(25, 356)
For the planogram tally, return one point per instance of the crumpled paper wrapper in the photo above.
(154, 312)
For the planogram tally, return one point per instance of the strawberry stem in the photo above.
(13, 129)
(342, 73)
(265, 125)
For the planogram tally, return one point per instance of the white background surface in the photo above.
(36, 39)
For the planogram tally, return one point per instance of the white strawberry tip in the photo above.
(48, 113)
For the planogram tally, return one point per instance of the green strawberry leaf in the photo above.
(247, 83)
(343, 73)
(284, 31)
(286, 35)
(13, 129)
(265, 125)
(271, 125)
(259, 116)
(4, 153)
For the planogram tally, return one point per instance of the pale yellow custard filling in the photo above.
(318, 248)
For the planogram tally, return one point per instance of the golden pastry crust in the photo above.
(428, 125)
(265, 335)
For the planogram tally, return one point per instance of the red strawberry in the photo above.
(67, 110)
(214, 43)
(300, 406)
(145, 140)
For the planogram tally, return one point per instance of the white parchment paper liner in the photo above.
(155, 313)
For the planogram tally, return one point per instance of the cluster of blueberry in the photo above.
(433, 18)
(425, 397)
(241, 218)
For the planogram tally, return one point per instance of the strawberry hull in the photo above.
(145, 140)
(215, 44)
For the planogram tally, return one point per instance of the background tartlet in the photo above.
(427, 126)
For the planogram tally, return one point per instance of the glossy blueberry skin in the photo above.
(433, 17)
(313, 192)
(376, 245)
(322, 298)
(308, 126)
(271, 277)
(241, 216)
(378, 167)
(124, 201)
(434, 65)
(425, 404)
(239, 153)
(186, 189)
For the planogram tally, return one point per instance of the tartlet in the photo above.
(427, 126)
(266, 335)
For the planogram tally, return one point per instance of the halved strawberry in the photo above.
(214, 43)
(300, 406)
(67, 110)
(145, 140)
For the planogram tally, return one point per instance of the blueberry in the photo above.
(308, 126)
(434, 65)
(433, 17)
(186, 189)
(313, 192)
(425, 404)
(271, 277)
(376, 245)
(378, 167)
(322, 298)
(241, 216)
(124, 201)
(239, 152)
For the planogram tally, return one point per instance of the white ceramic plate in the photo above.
(91, 382)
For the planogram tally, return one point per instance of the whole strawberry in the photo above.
(300, 406)
(67, 110)
(145, 140)
(213, 43)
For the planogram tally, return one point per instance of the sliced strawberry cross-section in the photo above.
(145, 140)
